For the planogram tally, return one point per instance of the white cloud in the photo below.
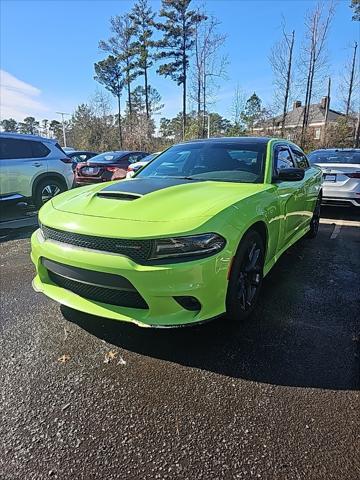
(19, 99)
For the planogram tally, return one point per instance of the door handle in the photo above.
(37, 164)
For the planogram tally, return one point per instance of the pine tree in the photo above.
(177, 43)
(142, 17)
(148, 104)
(55, 129)
(9, 125)
(29, 125)
(121, 46)
(252, 111)
(109, 73)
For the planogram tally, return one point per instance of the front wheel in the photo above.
(46, 190)
(245, 277)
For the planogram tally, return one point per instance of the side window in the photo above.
(12, 148)
(300, 159)
(39, 150)
(83, 157)
(135, 157)
(59, 148)
(283, 158)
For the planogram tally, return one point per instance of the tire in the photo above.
(246, 277)
(47, 189)
(315, 220)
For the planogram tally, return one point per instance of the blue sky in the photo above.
(48, 49)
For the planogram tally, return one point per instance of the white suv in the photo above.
(32, 168)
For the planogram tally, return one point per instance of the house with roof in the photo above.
(320, 117)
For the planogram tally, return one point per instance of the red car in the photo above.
(102, 167)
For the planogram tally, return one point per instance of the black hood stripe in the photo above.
(142, 186)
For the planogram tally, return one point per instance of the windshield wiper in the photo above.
(189, 178)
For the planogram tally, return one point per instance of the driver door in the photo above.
(291, 196)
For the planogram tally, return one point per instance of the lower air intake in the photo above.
(109, 296)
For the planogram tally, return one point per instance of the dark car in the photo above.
(78, 156)
(101, 167)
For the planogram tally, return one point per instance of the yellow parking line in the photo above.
(335, 221)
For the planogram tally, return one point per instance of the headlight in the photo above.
(191, 246)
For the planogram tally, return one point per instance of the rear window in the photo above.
(335, 157)
(107, 157)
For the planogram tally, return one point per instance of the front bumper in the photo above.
(204, 279)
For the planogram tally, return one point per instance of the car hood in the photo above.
(154, 199)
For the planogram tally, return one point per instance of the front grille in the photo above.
(100, 294)
(137, 250)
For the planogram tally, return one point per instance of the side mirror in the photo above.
(289, 175)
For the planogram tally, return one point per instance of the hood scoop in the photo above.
(118, 195)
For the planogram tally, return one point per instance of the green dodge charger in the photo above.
(189, 238)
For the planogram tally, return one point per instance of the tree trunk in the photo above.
(146, 93)
(119, 121)
(198, 99)
(128, 85)
(198, 82)
(204, 103)
(184, 105)
(288, 79)
(184, 76)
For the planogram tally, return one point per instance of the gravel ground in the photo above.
(275, 398)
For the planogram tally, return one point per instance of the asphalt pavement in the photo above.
(274, 398)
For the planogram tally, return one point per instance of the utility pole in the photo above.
(63, 124)
(327, 107)
(348, 103)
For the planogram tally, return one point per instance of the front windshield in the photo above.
(335, 157)
(217, 161)
(107, 157)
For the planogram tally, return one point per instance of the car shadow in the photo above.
(340, 213)
(17, 221)
(16, 234)
(296, 337)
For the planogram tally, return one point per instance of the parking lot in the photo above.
(274, 398)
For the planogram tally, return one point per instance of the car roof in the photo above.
(117, 152)
(27, 136)
(336, 150)
(78, 152)
(256, 140)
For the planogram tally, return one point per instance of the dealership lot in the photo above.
(277, 397)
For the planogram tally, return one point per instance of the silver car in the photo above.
(341, 172)
(134, 167)
(32, 168)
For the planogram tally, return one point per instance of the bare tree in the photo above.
(236, 109)
(208, 66)
(317, 25)
(121, 46)
(281, 60)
